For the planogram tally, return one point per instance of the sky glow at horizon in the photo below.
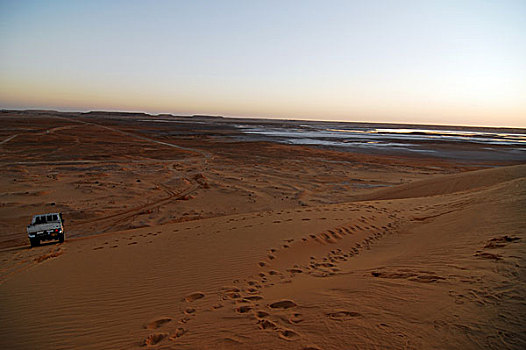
(422, 62)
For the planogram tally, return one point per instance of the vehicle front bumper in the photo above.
(45, 236)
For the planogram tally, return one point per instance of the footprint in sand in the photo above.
(243, 309)
(154, 339)
(295, 318)
(499, 242)
(184, 319)
(266, 324)
(179, 332)
(288, 334)
(283, 304)
(194, 296)
(489, 256)
(232, 295)
(189, 311)
(253, 290)
(261, 314)
(157, 323)
(343, 315)
(231, 341)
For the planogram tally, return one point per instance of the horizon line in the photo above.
(251, 117)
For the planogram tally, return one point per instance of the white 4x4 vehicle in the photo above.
(46, 227)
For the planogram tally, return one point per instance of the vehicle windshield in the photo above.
(44, 219)
(40, 220)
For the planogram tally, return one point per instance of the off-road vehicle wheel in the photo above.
(61, 237)
(34, 242)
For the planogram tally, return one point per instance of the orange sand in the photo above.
(262, 246)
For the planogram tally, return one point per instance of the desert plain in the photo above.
(190, 235)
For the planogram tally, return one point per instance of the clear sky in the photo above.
(423, 61)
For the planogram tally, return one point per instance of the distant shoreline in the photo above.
(261, 119)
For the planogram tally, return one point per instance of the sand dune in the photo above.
(186, 240)
(446, 184)
(432, 270)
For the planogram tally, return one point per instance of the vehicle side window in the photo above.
(55, 218)
(50, 218)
